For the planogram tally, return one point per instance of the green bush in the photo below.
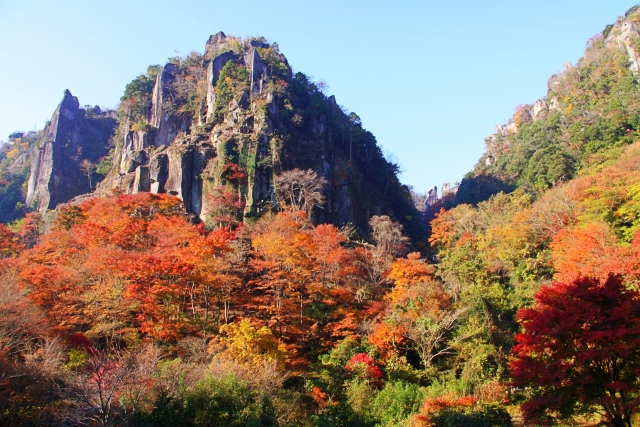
(396, 402)
(233, 80)
(213, 402)
(139, 92)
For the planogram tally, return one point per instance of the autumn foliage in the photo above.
(134, 266)
(373, 329)
(298, 268)
(363, 363)
(436, 405)
(9, 243)
(580, 347)
(267, 298)
(129, 265)
(118, 273)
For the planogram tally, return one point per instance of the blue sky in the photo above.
(429, 79)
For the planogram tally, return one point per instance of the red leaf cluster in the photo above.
(363, 360)
(581, 343)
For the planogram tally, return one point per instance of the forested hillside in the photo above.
(247, 298)
(590, 109)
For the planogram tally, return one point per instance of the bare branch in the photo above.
(300, 190)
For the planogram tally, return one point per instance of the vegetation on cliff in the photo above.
(14, 172)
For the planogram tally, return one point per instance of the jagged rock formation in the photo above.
(227, 121)
(175, 152)
(70, 137)
(432, 198)
(432, 195)
(240, 104)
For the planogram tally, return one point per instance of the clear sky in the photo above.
(430, 79)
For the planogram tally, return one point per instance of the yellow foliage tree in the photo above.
(13, 153)
(252, 347)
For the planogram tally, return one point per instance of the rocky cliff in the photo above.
(238, 107)
(72, 136)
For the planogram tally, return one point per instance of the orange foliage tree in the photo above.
(127, 265)
(300, 277)
(435, 405)
(579, 352)
(421, 308)
(10, 245)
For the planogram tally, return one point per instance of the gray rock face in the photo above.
(180, 173)
(167, 124)
(68, 139)
(448, 189)
(215, 44)
(256, 43)
(552, 82)
(213, 72)
(164, 128)
(158, 172)
(432, 198)
(258, 71)
(199, 162)
(175, 169)
(242, 102)
(215, 39)
(141, 181)
(133, 151)
(538, 108)
(622, 34)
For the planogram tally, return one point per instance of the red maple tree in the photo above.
(580, 352)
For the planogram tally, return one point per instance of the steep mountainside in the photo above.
(15, 164)
(187, 127)
(590, 108)
(227, 121)
(554, 200)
